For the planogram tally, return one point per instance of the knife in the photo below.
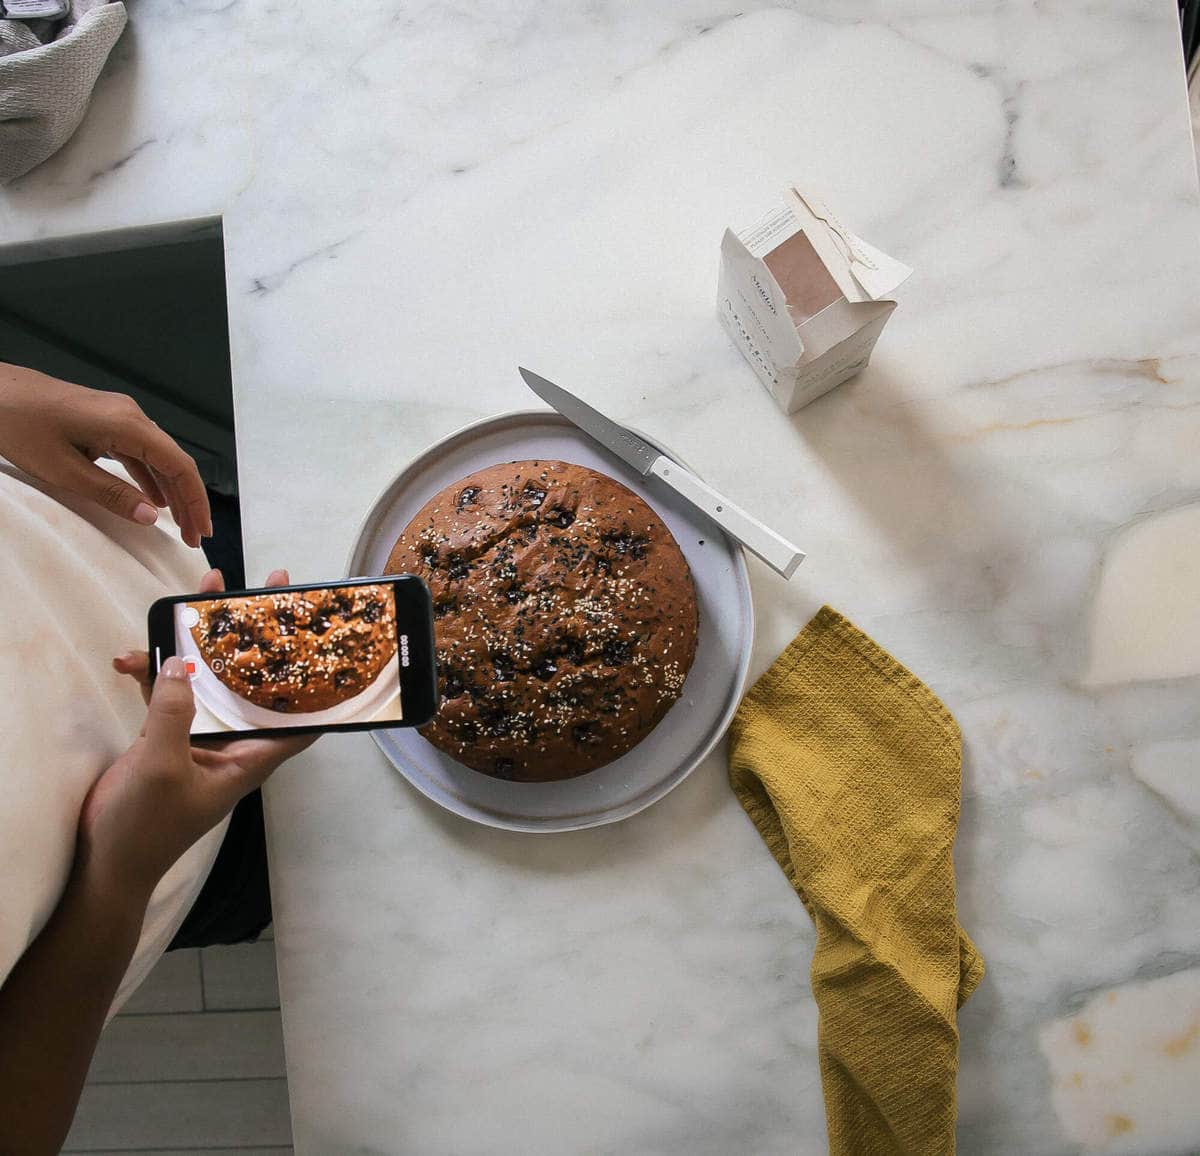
(776, 552)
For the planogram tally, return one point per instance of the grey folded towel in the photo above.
(47, 72)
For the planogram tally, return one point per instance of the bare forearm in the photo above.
(52, 1007)
(140, 815)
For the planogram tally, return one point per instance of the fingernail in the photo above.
(145, 514)
(128, 656)
(208, 533)
(173, 668)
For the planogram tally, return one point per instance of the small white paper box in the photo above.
(804, 298)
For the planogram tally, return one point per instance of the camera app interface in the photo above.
(294, 658)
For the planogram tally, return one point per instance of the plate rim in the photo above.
(551, 827)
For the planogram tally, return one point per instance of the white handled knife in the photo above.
(776, 552)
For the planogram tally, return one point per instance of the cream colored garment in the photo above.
(75, 584)
(46, 84)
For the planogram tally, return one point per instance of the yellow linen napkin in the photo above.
(849, 767)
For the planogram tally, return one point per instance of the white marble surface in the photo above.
(415, 197)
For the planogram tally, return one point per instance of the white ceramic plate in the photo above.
(691, 727)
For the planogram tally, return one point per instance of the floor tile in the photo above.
(241, 976)
(188, 1151)
(173, 985)
(213, 1046)
(218, 1113)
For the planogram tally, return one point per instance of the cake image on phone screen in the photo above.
(565, 618)
(295, 652)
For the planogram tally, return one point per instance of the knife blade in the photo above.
(776, 551)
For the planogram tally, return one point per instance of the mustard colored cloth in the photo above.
(849, 767)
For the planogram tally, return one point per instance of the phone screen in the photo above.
(343, 656)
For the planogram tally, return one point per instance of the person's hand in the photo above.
(55, 431)
(160, 796)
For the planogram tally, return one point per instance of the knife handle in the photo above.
(776, 552)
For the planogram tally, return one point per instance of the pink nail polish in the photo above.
(145, 514)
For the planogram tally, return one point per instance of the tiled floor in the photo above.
(194, 1063)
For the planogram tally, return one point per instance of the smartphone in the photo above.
(338, 656)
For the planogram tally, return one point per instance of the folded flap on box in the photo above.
(831, 326)
(875, 275)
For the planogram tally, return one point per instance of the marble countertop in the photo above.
(415, 198)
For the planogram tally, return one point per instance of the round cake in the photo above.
(301, 650)
(564, 615)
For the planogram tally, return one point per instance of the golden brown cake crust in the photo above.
(565, 618)
(298, 651)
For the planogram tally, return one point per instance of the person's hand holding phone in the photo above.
(55, 431)
(165, 792)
